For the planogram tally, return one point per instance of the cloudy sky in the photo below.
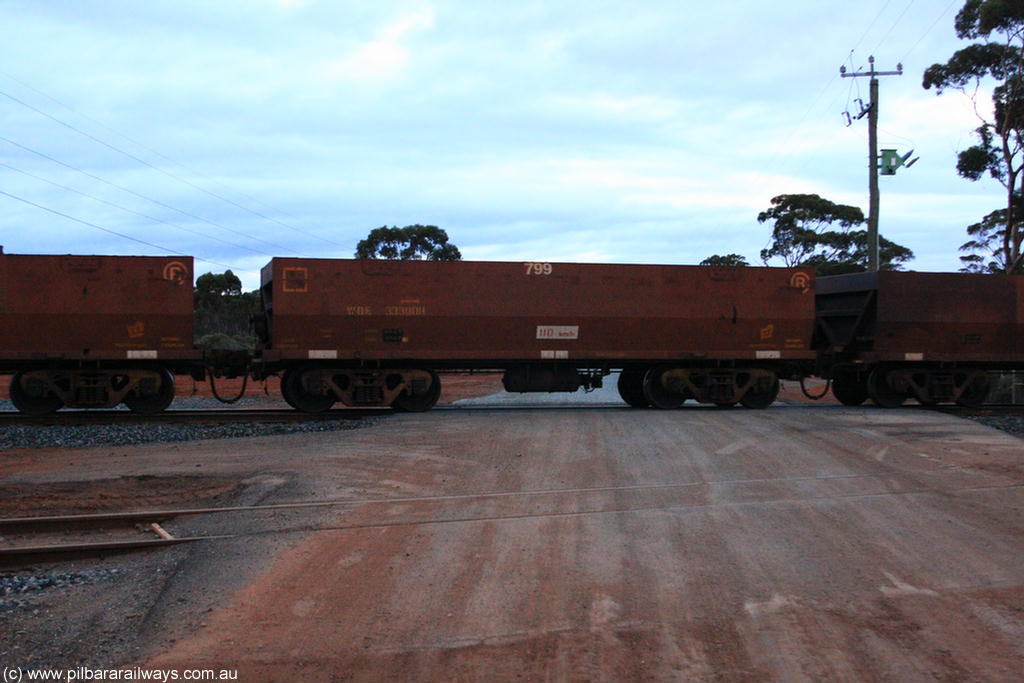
(633, 131)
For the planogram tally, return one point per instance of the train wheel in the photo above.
(657, 394)
(29, 402)
(419, 403)
(300, 397)
(975, 392)
(881, 392)
(759, 397)
(849, 390)
(286, 393)
(156, 401)
(631, 388)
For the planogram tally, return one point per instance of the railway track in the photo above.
(25, 541)
(987, 410)
(287, 415)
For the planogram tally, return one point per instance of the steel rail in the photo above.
(16, 557)
(237, 415)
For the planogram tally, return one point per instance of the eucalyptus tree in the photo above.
(809, 230)
(413, 242)
(996, 56)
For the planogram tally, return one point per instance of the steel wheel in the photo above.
(760, 397)
(849, 390)
(881, 392)
(286, 393)
(631, 388)
(155, 402)
(657, 394)
(975, 391)
(30, 404)
(409, 402)
(301, 398)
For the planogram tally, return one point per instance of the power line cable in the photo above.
(894, 25)
(160, 170)
(935, 23)
(124, 208)
(107, 230)
(142, 196)
(871, 26)
(799, 125)
(121, 135)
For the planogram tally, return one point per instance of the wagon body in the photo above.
(103, 308)
(474, 314)
(95, 331)
(922, 317)
(933, 337)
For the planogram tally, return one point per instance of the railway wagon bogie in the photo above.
(667, 386)
(889, 385)
(315, 388)
(367, 332)
(143, 390)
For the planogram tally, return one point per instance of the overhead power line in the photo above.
(125, 208)
(141, 196)
(107, 230)
(165, 172)
(935, 23)
(894, 25)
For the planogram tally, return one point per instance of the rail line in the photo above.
(288, 415)
(148, 532)
(213, 415)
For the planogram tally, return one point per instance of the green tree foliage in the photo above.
(997, 26)
(413, 242)
(803, 235)
(727, 260)
(222, 312)
(984, 251)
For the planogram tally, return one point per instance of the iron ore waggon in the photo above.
(376, 332)
(95, 331)
(934, 337)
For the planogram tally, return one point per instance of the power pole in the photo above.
(872, 111)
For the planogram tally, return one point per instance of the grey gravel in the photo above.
(1011, 424)
(16, 589)
(84, 436)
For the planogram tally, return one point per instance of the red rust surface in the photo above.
(532, 311)
(941, 316)
(95, 307)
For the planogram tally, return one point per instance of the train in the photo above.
(99, 331)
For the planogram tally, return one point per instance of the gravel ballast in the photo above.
(84, 436)
(89, 435)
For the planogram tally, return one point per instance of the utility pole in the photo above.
(872, 111)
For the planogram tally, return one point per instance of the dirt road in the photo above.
(608, 544)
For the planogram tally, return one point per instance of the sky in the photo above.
(612, 132)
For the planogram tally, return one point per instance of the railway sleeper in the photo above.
(143, 390)
(316, 389)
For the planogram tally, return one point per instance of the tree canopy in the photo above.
(726, 260)
(413, 242)
(998, 26)
(803, 234)
(222, 311)
(211, 287)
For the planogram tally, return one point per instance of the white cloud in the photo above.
(386, 56)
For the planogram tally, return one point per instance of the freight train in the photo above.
(97, 331)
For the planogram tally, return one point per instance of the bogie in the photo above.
(146, 390)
